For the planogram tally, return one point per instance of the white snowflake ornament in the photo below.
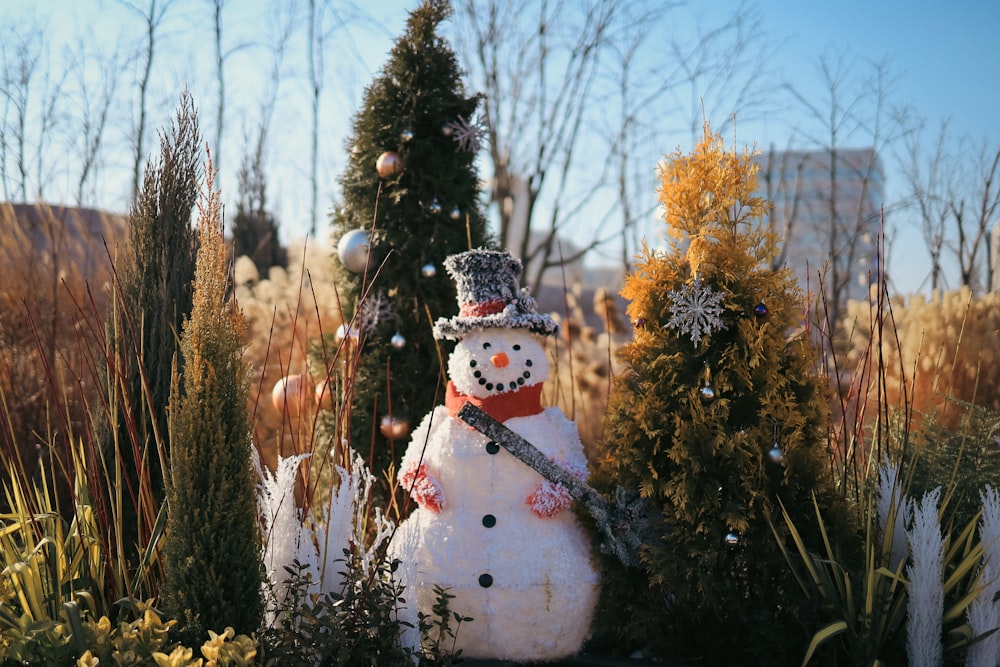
(695, 310)
(465, 134)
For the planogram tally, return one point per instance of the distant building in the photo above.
(827, 204)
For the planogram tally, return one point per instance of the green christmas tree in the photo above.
(411, 191)
(720, 420)
(211, 553)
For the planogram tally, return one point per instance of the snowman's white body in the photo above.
(526, 580)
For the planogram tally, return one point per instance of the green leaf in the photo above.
(824, 634)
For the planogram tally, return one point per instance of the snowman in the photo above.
(489, 529)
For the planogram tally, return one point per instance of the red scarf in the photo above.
(524, 402)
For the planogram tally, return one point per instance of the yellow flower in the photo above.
(179, 657)
(212, 649)
(87, 660)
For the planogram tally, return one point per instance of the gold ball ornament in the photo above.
(389, 164)
(347, 332)
(324, 395)
(290, 394)
(394, 428)
(353, 249)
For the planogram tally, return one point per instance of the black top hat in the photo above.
(490, 295)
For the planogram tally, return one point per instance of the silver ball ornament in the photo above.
(428, 271)
(398, 341)
(732, 538)
(456, 213)
(775, 454)
(435, 206)
(447, 129)
(352, 249)
(406, 135)
(707, 393)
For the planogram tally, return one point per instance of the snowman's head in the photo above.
(493, 361)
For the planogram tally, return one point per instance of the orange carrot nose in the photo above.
(500, 360)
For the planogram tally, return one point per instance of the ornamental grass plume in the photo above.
(984, 612)
(892, 508)
(925, 608)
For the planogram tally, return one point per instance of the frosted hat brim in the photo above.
(511, 317)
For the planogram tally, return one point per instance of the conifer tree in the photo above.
(719, 421)
(412, 187)
(152, 297)
(254, 229)
(211, 554)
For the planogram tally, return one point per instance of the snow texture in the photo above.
(528, 581)
(695, 310)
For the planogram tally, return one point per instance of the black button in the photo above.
(485, 580)
(492, 447)
(489, 521)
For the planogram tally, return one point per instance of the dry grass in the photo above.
(942, 348)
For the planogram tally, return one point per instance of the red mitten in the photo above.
(423, 487)
(549, 499)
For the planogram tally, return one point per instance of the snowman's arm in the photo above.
(416, 475)
(551, 498)
(423, 487)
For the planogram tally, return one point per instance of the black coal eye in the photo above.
(472, 363)
(517, 347)
(528, 362)
(486, 346)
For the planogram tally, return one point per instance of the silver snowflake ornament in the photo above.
(466, 134)
(695, 310)
(374, 309)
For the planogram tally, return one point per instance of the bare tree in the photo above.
(33, 111)
(973, 211)
(221, 55)
(845, 218)
(570, 115)
(151, 15)
(96, 97)
(930, 183)
(21, 55)
(315, 60)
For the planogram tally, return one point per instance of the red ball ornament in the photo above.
(389, 164)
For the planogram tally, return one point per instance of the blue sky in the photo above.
(944, 55)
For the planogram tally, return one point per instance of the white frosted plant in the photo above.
(925, 606)
(316, 542)
(285, 538)
(892, 507)
(984, 612)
